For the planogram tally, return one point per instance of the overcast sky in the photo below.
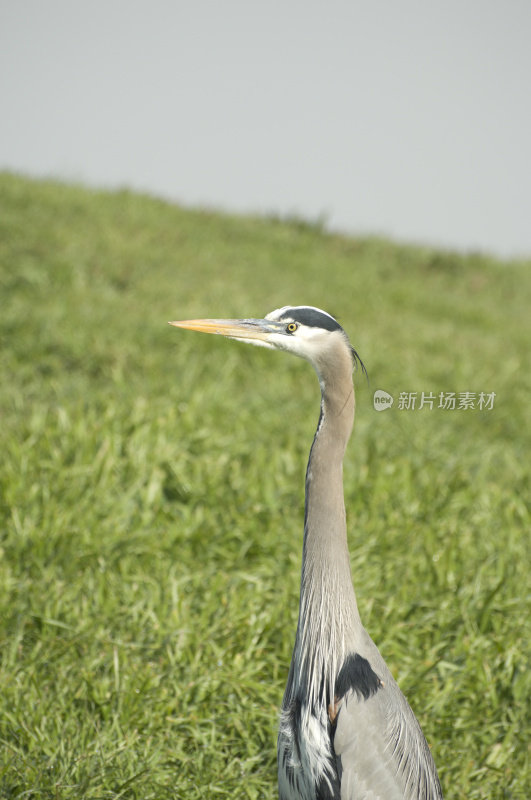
(406, 118)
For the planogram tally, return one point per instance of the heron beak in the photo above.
(255, 331)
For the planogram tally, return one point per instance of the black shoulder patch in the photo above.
(312, 317)
(329, 788)
(358, 675)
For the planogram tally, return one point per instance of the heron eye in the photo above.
(291, 327)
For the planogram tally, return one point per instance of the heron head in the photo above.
(305, 331)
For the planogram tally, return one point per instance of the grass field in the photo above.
(151, 503)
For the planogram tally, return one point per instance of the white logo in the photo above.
(446, 401)
(382, 400)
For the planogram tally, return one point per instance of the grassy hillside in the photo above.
(151, 487)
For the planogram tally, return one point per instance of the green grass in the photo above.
(152, 495)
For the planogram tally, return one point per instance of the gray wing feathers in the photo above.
(381, 750)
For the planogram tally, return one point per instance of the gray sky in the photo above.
(410, 119)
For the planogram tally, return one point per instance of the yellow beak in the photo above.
(248, 329)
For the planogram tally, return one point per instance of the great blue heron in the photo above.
(346, 730)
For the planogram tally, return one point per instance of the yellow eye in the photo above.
(291, 327)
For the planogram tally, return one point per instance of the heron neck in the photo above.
(328, 615)
(325, 527)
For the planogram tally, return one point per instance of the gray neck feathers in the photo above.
(328, 615)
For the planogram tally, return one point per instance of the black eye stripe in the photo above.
(312, 318)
